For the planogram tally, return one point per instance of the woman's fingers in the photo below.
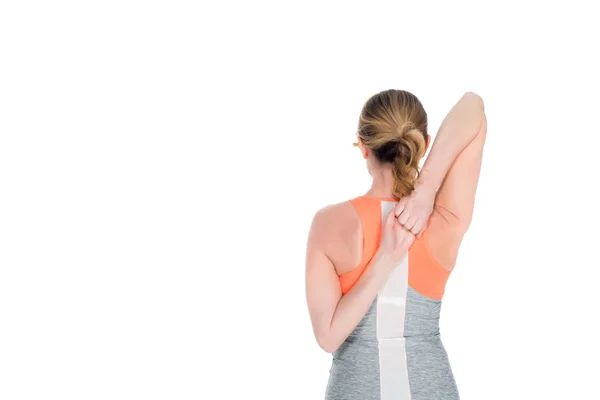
(422, 228)
(407, 238)
(390, 220)
(404, 236)
(414, 224)
(400, 206)
(417, 227)
(410, 223)
(403, 218)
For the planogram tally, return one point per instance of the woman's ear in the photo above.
(363, 149)
(428, 141)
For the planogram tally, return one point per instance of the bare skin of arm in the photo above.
(334, 316)
(445, 190)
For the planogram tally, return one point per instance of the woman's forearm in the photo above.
(353, 306)
(457, 130)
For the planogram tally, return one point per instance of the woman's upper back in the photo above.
(355, 231)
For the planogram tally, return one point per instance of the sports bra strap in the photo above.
(369, 212)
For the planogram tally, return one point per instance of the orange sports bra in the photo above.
(425, 275)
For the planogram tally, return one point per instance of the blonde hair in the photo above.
(393, 125)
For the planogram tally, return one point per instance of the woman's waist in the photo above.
(363, 349)
(370, 334)
(358, 342)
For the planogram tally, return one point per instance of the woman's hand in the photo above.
(395, 240)
(413, 211)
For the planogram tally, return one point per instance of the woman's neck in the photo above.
(383, 183)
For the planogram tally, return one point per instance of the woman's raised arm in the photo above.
(445, 190)
(451, 171)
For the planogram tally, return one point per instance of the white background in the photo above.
(160, 163)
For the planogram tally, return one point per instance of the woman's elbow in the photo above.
(327, 344)
(476, 99)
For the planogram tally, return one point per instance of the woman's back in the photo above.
(396, 347)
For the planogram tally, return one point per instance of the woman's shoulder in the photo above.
(337, 232)
(336, 215)
(348, 217)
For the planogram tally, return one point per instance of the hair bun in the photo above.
(403, 129)
(409, 143)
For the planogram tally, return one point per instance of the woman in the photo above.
(377, 265)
